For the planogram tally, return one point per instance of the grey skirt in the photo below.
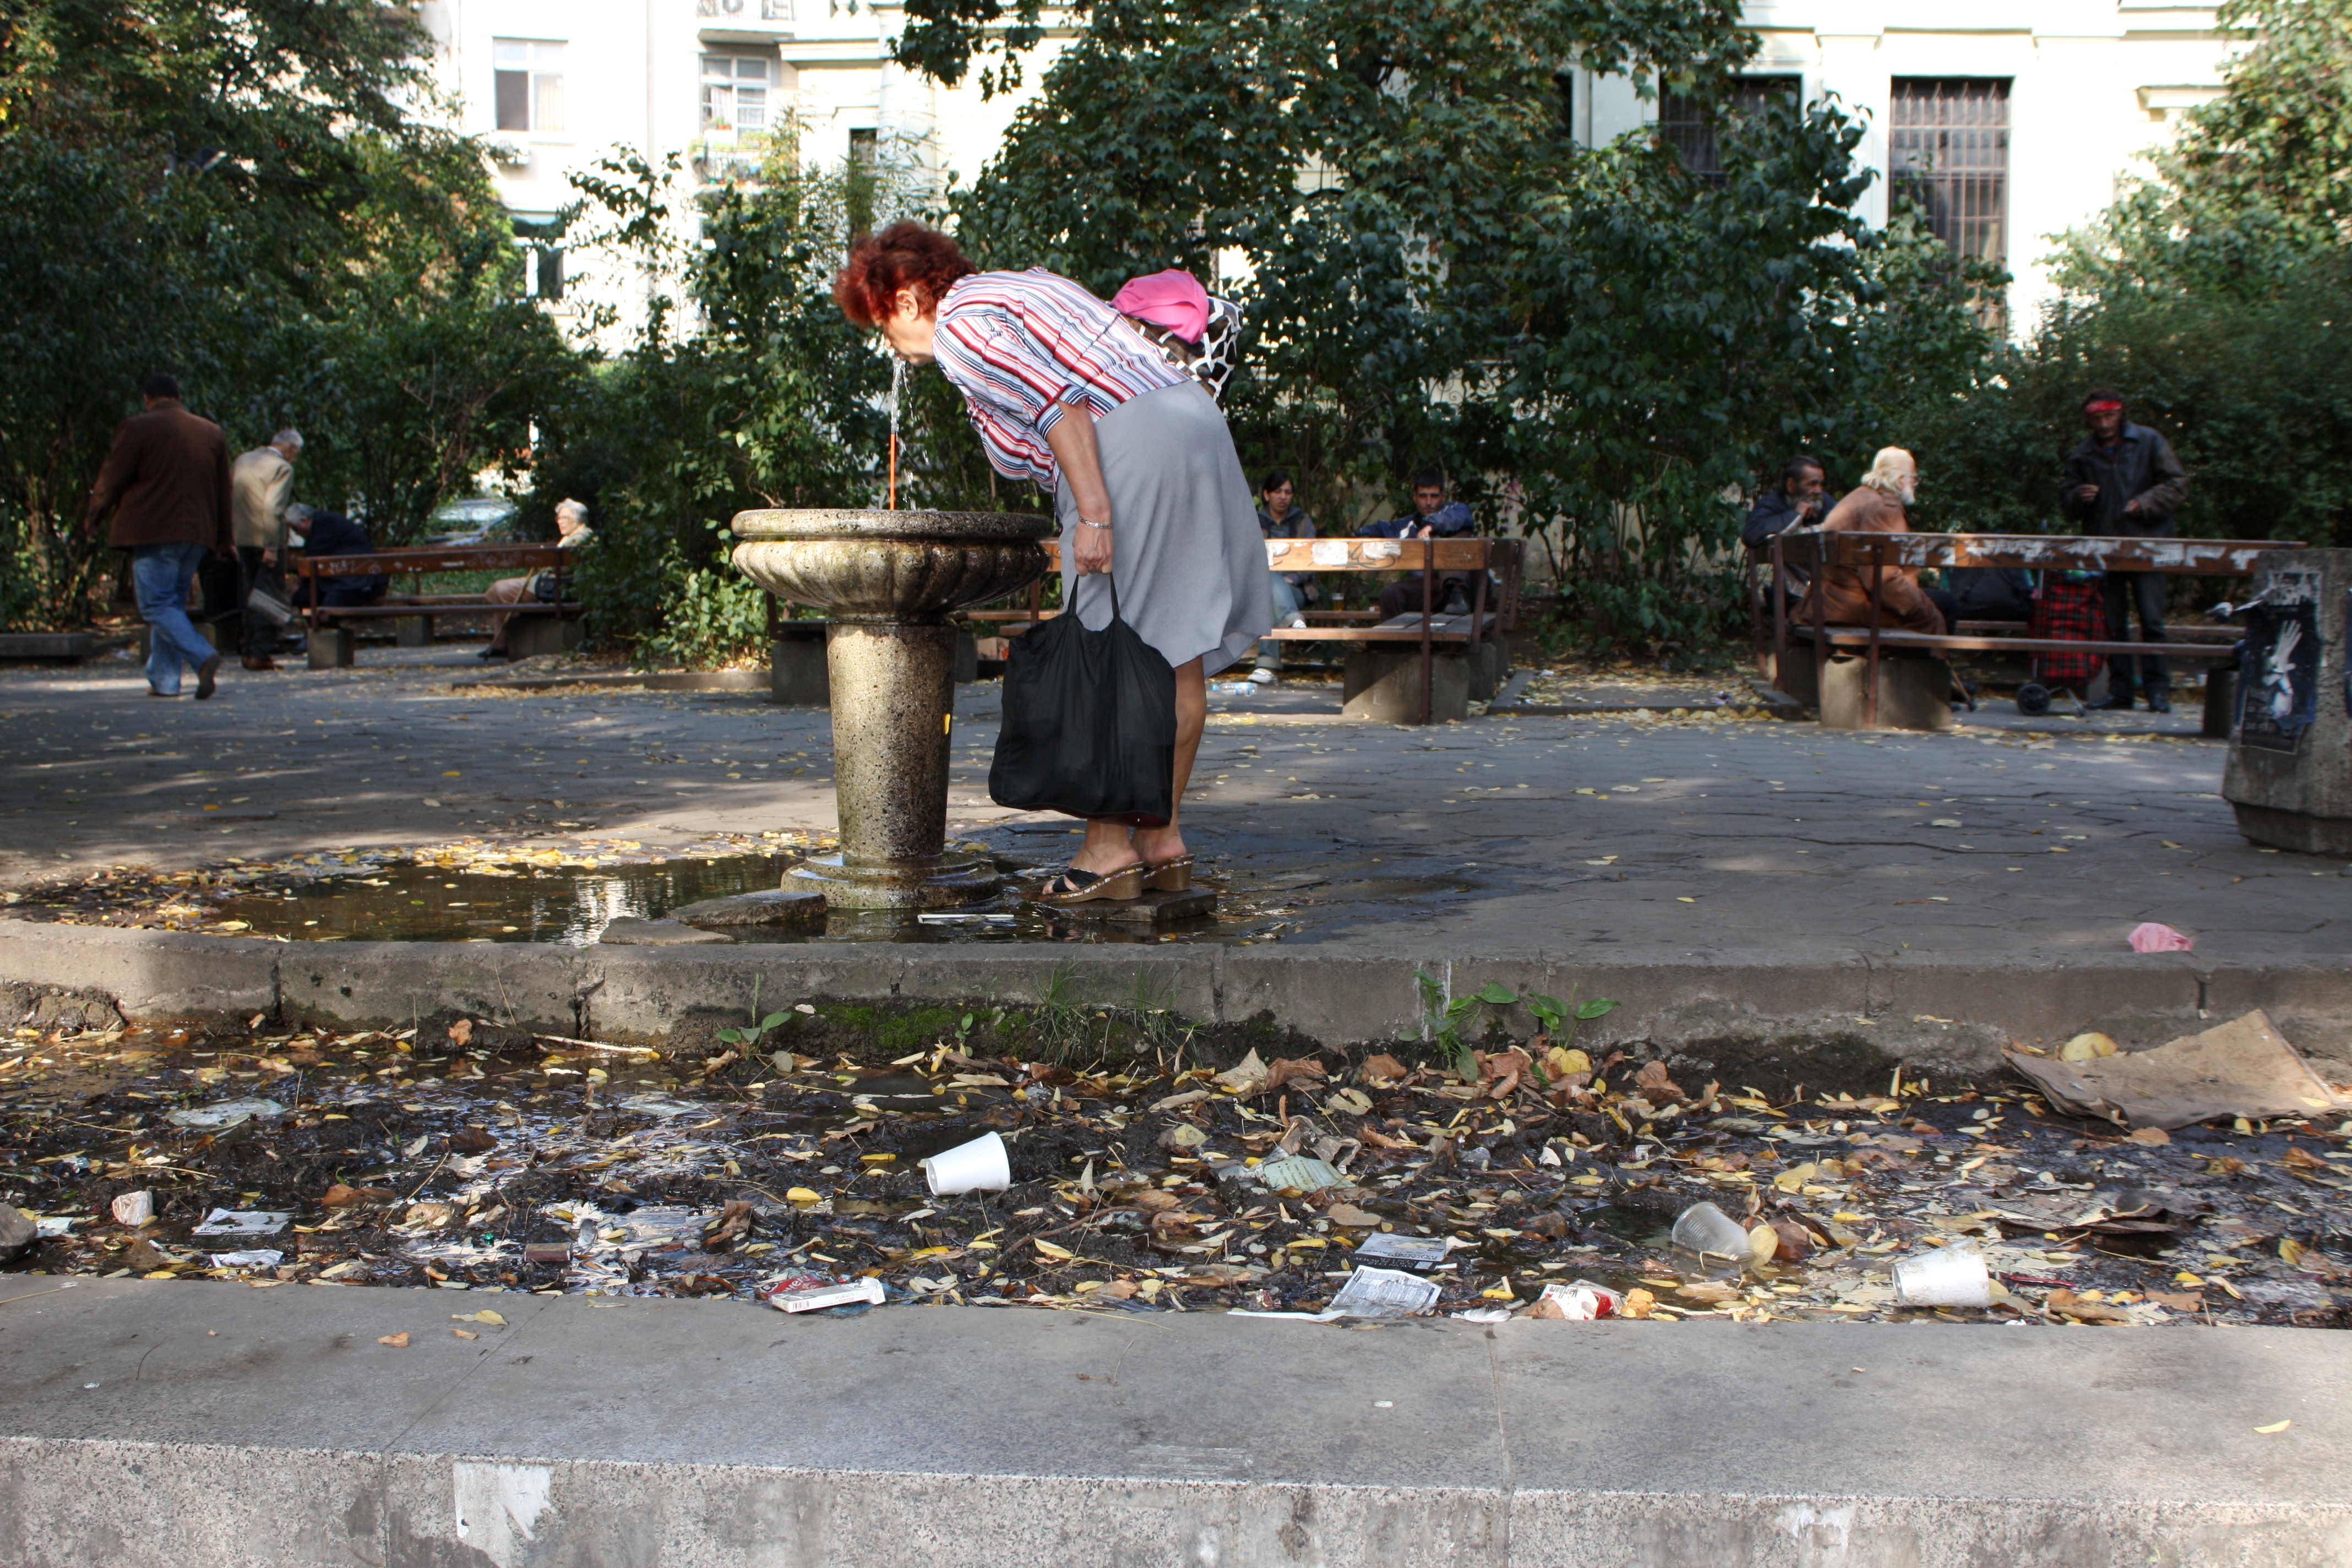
(1186, 550)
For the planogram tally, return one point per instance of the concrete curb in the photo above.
(146, 1425)
(1948, 1016)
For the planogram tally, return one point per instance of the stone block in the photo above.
(1913, 693)
(2220, 701)
(1490, 667)
(796, 666)
(2289, 776)
(332, 648)
(1383, 683)
(530, 635)
(152, 975)
(392, 984)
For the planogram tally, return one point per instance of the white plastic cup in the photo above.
(134, 1209)
(1952, 1276)
(1706, 1229)
(979, 1166)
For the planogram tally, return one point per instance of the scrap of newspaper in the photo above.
(1384, 1293)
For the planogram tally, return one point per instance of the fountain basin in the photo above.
(888, 581)
(912, 568)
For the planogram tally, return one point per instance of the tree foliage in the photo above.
(2257, 182)
(764, 396)
(244, 197)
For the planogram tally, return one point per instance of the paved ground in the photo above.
(250, 1427)
(1707, 839)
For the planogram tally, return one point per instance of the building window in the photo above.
(1689, 126)
(864, 146)
(1948, 150)
(735, 92)
(530, 82)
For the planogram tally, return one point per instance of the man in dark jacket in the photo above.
(1432, 517)
(321, 533)
(1800, 500)
(2123, 481)
(167, 482)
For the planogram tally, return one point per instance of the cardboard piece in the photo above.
(2243, 1067)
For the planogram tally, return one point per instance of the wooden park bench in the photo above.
(1876, 553)
(329, 626)
(1426, 631)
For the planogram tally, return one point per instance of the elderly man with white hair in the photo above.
(1876, 506)
(260, 483)
(572, 532)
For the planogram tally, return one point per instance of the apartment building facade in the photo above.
(2009, 122)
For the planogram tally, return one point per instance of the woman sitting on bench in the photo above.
(1876, 506)
(572, 532)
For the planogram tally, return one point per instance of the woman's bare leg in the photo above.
(1159, 844)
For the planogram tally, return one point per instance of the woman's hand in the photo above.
(1072, 439)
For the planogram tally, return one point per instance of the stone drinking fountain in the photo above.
(888, 580)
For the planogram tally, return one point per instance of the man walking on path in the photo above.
(2124, 481)
(166, 483)
(260, 484)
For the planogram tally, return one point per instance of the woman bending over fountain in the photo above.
(1149, 462)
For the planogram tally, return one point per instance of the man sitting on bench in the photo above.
(1432, 517)
(321, 533)
(1876, 506)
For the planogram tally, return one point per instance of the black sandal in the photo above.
(1076, 887)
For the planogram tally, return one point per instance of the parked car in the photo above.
(476, 519)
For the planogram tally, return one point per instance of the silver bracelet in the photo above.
(1104, 526)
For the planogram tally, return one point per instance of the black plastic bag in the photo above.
(1090, 724)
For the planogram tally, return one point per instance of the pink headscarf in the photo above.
(1173, 299)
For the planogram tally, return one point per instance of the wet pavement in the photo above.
(469, 1156)
(1618, 836)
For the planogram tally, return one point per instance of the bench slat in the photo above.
(2205, 557)
(1850, 637)
(461, 558)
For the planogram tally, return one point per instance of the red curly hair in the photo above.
(907, 254)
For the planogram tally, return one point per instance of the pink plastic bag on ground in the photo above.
(2150, 937)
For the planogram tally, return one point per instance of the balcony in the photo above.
(748, 21)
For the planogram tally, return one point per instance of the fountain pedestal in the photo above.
(889, 580)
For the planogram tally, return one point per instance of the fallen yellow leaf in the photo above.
(466, 1333)
(1047, 1249)
(484, 1316)
(2275, 1426)
(2087, 1047)
(398, 1341)
(801, 1195)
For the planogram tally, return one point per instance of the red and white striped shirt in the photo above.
(1024, 346)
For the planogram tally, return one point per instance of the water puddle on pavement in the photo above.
(572, 904)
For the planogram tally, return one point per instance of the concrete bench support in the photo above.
(1383, 683)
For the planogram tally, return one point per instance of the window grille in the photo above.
(1948, 150)
(1690, 126)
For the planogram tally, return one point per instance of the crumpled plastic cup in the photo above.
(1706, 1229)
(134, 1209)
(1952, 1276)
(979, 1166)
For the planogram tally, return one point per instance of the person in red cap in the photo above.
(2124, 481)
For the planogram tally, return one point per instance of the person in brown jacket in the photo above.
(1876, 506)
(166, 483)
